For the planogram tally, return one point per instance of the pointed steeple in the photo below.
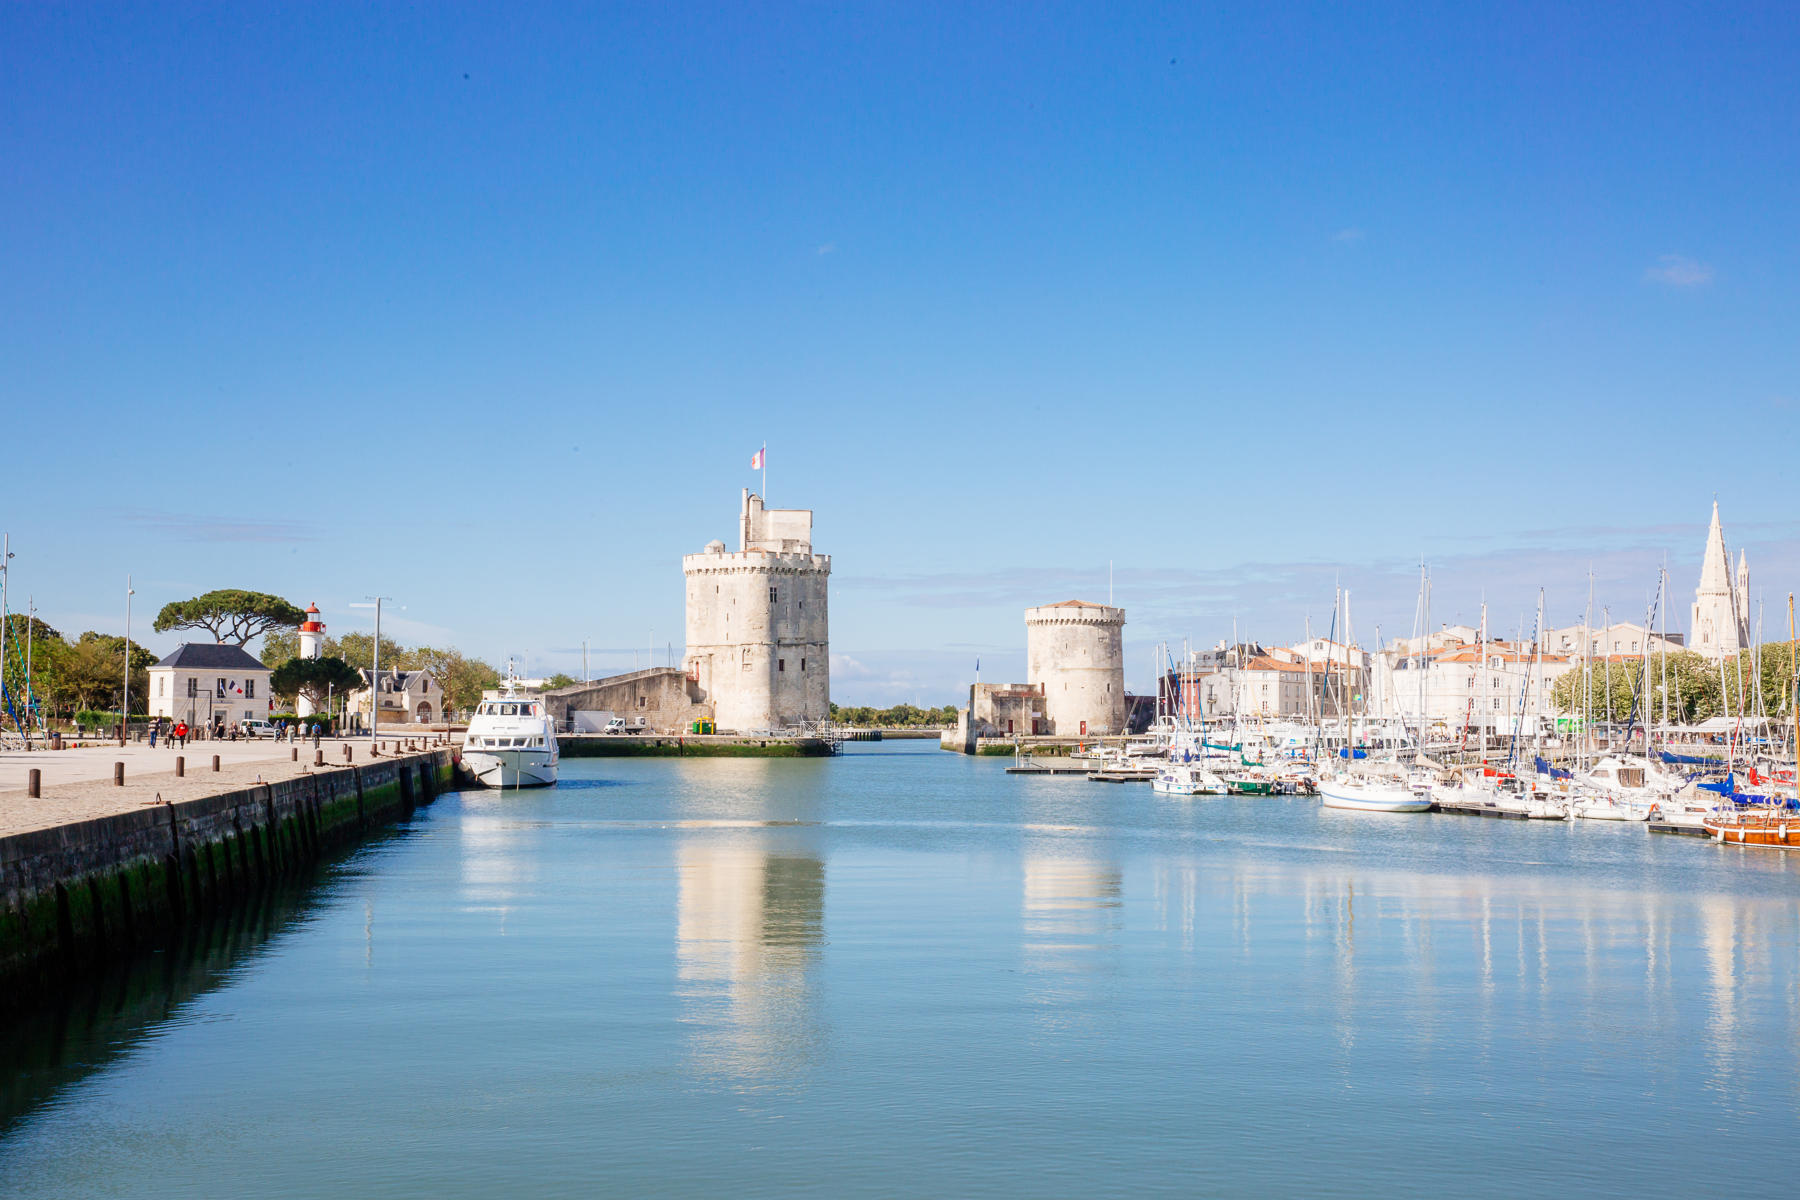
(1718, 625)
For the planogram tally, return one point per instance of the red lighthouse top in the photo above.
(312, 624)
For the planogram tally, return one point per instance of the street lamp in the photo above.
(375, 673)
(125, 703)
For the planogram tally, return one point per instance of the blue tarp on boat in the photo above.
(1544, 768)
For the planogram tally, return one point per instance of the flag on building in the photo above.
(756, 460)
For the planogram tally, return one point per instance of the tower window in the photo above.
(781, 664)
(803, 664)
(772, 595)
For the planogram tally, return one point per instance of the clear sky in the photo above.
(486, 308)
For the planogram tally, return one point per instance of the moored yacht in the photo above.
(511, 741)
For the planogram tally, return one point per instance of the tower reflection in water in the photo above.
(750, 929)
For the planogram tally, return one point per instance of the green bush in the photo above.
(88, 718)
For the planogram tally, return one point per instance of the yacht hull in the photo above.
(511, 768)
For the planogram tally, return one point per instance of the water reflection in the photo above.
(100, 1021)
(750, 927)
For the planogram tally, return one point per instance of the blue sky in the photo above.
(486, 308)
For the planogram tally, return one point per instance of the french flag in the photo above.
(756, 460)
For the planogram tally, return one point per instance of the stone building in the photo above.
(208, 685)
(407, 697)
(758, 641)
(663, 699)
(1720, 620)
(1075, 652)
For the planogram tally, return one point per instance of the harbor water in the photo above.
(901, 972)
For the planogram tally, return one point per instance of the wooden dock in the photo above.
(1482, 810)
(1698, 831)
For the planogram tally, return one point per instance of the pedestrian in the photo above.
(181, 732)
(153, 735)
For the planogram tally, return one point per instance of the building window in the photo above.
(772, 595)
(781, 664)
(193, 688)
(640, 701)
(162, 685)
(219, 690)
(803, 664)
(249, 689)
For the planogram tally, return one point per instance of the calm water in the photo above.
(902, 973)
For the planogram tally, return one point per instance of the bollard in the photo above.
(318, 758)
(215, 762)
(375, 750)
(180, 766)
(34, 783)
(294, 751)
(118, 774)
(347, 755)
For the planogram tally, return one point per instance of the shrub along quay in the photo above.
(78, 895)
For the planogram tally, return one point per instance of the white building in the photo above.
(1620, 638)
(1720, 620)
(407, 697)
(1496, 686)
(208, 684)
(758, 622)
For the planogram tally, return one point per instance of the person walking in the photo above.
(181, 732)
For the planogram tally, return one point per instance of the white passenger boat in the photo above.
(511, 741)
(1187, 779)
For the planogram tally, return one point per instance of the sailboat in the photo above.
(1363, 790)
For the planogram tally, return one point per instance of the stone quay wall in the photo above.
(76, 896)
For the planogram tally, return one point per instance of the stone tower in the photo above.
(1077, 652)
(312, 645)
(1720, 622)
(758, 641)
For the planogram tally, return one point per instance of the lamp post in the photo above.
(125, 701)
(375, 673)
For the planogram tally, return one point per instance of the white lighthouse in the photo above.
(312, 645)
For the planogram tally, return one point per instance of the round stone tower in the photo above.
(312, 645)
(758, 630)
(1076, 651)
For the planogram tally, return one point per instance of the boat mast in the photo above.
(1793, 696)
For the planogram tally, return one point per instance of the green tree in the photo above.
(90, 672)
(314, 678)
(230, 614)
(358, 649)
(278, 646)
(560, 680)
(463, 679)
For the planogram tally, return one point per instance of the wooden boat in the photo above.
(1778, 829)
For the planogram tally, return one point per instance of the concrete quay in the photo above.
(690, 745)
(91, 872)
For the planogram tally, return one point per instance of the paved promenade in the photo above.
(77, 785)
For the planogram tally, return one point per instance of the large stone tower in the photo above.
(1720, 621)
(312, 645)
(1077, 652)
(758, 640)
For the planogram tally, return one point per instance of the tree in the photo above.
(278, 646)
(89, 673)
(230, 613)
(358, 649)
(463, 679)
(315, 678)
(560, 680)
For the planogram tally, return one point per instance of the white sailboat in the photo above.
(1363, 790)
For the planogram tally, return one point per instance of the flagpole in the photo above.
(765, 479)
